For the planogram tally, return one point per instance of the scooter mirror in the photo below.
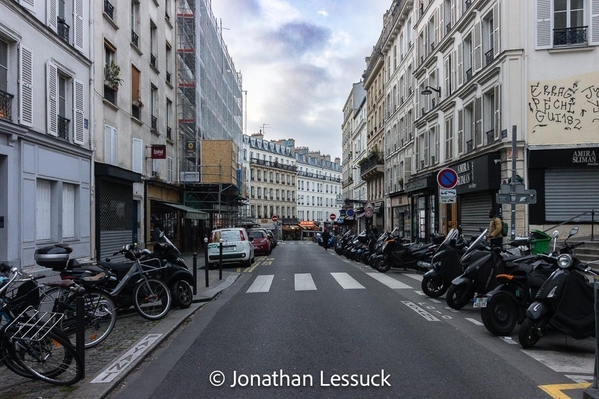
(574, 230)
(555, 234)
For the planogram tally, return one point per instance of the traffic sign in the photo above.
(447, 178)
(447, 193)
(275, 218)
(368, 213)
(332, 216)
(528, 197)
(448, 200)
(350, 212)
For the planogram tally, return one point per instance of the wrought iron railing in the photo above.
(168, 77)
(109, 9)
(490, 136)
(154, 123)
(110, 94)
(6, 105)
(564, 36)
(468, 74)
(489, 56)
(136, 111)
(63, 127)
(153, 60)
(134, 38)
(169, 133)
(63, 29)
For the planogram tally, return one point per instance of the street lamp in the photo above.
(428, 90)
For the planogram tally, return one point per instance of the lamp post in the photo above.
(428, 90)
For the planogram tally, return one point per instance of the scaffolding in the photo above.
(209, 108)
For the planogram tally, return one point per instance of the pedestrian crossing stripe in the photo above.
(305, 282)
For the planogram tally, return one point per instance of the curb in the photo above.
(111, 376)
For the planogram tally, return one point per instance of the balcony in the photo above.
(154, 123)
(153, 60)
(136, 111)
(568, 36)
(63, 127)
(63, 29)
(6, 105)
(468, 74)
(372, 167)
(489, 56)
(134, 38)
(169, 133)
(109, 9)
(168, 77)
(490, 136)
(110, 94)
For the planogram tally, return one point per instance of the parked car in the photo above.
(260, 241)
(237, 246)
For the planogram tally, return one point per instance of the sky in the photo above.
(298, 60)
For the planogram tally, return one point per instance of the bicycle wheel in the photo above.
(9, 362)
(48, 356)
(152, 299)
(99, 312)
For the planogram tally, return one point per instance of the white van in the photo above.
(237, 246)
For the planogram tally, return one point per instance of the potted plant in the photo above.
(112, 75)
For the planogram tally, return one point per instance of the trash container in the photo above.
(539, 243)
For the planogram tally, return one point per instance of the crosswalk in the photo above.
(305, 282)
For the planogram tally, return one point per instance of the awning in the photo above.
(309, 226)
(291, 227)
(190, 213)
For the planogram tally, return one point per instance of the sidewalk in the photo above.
(131, 341)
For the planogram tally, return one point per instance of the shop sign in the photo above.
(158, 151)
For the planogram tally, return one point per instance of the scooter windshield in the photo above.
(476, 243)
(171, 247)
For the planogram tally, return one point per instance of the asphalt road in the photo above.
(308, 323)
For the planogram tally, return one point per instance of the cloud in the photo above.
(324, 13)
(296, 38)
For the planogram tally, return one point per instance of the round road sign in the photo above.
(332, 216)
(275, 218)
(447, 178)
(350, 212)
(368, 213)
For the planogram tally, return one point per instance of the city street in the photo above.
(303, 322)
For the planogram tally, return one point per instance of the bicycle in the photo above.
(31, 345)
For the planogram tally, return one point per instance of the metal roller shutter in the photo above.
(570, 192)
(474, 212)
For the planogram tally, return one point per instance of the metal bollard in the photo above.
(195, 273)
(596, 286)
(80, 333)
(206, 265)
(220, 262)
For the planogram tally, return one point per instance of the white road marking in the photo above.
(346, 281)
(434, 300)
(420, 311)
(304, 282)
(388, 281)
(574, 363)
(414, 276)
(473, 321)
(580, 378)
(262, 283)
(509, 340)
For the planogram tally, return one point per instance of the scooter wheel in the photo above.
(501, 314)
(182, 294)
(433, 287)
(458, 296)
(383, 266)
(529, 333)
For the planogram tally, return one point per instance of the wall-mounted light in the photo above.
(428, 90)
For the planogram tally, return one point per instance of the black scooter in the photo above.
(406, 256)
(505, 306)
(445, 265)
(565, 302)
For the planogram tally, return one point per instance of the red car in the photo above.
(260, 241)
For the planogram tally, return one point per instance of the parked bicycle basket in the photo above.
(21, 295)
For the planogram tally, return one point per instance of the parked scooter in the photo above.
(343, 242)
(400, 255)
(505, 306)
(445, 265)
(565, 302)
(481, 263)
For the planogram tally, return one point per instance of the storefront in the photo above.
(423, 200)
(566, 181)
(291, 229)
(478, 182)
(401, 216)
(309, 230)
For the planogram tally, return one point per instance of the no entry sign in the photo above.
(447, 178)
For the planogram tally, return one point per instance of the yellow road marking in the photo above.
(555, 390)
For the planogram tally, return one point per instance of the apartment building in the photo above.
(46, 130)
(461, 78)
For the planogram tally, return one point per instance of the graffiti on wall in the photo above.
(558, 106)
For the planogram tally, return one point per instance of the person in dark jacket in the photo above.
(325, 239)
(495, 237)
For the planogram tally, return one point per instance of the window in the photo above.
(110, 145)
(449, 138)
(137, 155)
(169, 169)
(153, 60)
(169, 110)
(68, 211)
(112, 78)
(136, 102)
(168, 56)
(43, 210)
(566, 23)
(134, 23)
(154, 108)
(5, 96)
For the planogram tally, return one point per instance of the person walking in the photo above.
(325, 239)
(495, 237)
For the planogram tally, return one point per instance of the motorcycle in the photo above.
(505, 306)
(481, 263)
(175, 274)
(343, 242)
(445, 265)
(397, 254)
(565, 302)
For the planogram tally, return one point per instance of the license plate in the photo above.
(229, 249)
(480, 302)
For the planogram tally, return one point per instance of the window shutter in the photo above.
(78, 112)
(442, 29)
(137, 154)
(544, 26)
(460, 65)
(478, 49)
(496, 30)
(52, 99)
(460, 131)
(78, 25)
(169, 174)
(478, 122)
(594, 34)
(110, 145)
(26, 87)
(52, 14)
(453, 13)
(497, 111)
(28, 4)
